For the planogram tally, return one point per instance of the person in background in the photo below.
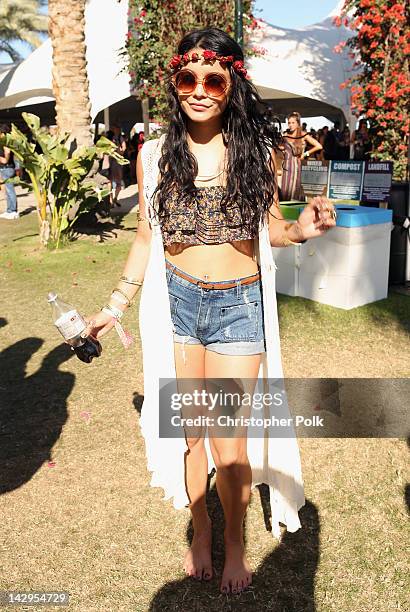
(7, 171)
(304, 127)
(344, 144)
(116, 170)
(135, 145)
(141, 140)
(322, 133)
(331, 142)
(361, 141)
(17, 168)
(295, 140)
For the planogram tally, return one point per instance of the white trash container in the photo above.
(345, 268)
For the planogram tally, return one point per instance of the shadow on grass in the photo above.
(394, 308)
(27, 211)
(284, 581)
(407, 487)
(33, 410)
(138, 400)
(104, 228)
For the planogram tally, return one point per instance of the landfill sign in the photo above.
(377, 181)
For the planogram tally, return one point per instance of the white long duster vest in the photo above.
(274, 461)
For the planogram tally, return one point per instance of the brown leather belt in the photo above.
(242, 281)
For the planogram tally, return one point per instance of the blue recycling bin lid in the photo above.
(358, 216)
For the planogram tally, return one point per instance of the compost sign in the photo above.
(345, 180)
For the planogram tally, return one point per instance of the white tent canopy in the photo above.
(299, 72)
(30, 81)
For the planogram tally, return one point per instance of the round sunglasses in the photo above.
(214, 84)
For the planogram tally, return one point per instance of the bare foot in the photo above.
(198, 558)
(237, 574)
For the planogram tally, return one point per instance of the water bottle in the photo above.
(71, 325)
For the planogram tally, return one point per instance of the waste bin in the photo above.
(291, 209)
(346, 267)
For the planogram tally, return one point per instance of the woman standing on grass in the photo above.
(209, 215)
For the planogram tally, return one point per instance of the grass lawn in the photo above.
(76, 509)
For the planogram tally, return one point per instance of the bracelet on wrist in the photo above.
(112, 311)
(121, 297)
(131, 281)
(287, 241)
(119, 300)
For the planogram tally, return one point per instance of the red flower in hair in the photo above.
(174, 63)
(240, 68)
(209, 55)
(225, 58)
(178, 60)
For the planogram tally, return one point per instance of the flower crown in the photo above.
(182, 60)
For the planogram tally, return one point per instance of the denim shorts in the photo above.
(227, 321)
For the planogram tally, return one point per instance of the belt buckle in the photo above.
(206, 285)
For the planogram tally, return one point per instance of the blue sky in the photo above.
(291, 14)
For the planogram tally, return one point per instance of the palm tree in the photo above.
(70, 80)
(20, 20)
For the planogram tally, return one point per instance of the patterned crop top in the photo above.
(200, 220)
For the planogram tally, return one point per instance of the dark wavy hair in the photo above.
(250, 133)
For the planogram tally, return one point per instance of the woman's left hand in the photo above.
(317, 217)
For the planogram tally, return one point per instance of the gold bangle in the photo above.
(287, 241)
(127, 303)
(131, 281)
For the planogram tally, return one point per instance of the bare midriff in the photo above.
(214, 262)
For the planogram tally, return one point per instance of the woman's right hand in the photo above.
(98, 324)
